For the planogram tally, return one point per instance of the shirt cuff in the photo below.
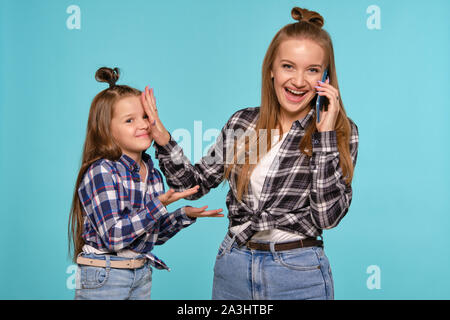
(184, 217)
(324, 141)
(166, 149)
(156, 209)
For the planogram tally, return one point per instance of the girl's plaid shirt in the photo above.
(117, 214)
(301, 194)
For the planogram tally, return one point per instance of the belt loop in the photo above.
(230, 242)
(272, 250)
(108, 262)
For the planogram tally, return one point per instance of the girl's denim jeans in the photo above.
(98, 283)
(298, 274)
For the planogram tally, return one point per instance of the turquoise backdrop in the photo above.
(203, 58)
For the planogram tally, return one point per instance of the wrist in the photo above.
(164, 140)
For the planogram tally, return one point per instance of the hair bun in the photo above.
(305, 15)
(108, 75)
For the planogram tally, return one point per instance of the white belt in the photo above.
(121, 264)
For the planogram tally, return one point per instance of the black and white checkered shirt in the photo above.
(301, 194)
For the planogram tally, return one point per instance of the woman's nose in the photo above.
(298, 80)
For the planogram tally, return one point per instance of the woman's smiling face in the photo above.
(297, 67)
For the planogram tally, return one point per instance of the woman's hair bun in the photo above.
(108, 75)
(305, 15)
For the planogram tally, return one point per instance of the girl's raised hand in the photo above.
(201, 213)
(328, 118)
(172, 196)
(157, 129)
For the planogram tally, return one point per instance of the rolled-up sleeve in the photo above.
(330, 195)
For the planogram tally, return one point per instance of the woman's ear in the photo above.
(271, 74)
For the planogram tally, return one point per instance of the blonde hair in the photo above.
(308, 26)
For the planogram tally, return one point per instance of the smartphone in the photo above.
(321, 99)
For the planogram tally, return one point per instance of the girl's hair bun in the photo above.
(305, 15)
(108, 75)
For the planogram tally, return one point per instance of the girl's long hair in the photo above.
(97, 145)
(308, 26)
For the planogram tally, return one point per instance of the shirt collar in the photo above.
(303, 122)
(132, 165)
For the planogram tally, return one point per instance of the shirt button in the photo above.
(316, 141)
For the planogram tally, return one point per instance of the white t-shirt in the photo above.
(257, 182)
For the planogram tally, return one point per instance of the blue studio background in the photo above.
(203, 58)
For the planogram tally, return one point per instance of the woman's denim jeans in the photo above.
(298, 274)
(98, 283)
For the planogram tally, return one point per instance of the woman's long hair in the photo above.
(309, 26)
(97, 145)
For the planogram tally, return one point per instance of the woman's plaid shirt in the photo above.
(117, 213)
(301, 194)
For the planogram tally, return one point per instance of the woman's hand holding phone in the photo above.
(329, 114)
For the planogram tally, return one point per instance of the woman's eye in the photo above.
(286, 66)
(314, 70)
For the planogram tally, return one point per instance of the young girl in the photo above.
(119, 206)
(300, 185)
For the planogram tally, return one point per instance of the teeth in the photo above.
(295, 92)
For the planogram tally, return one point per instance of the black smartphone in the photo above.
(321, 99)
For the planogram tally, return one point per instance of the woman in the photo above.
(289, 175)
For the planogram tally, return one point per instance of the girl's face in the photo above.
(130, 126)
(297, 67)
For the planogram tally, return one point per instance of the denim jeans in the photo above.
(297, 274)
(98, 283)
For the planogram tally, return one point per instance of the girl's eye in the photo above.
(128, 120)
(146, 117)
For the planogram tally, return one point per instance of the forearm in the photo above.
(330, 195)
(175, 222)
(118, 229)
(181, 174)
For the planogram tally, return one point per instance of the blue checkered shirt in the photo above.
(117, 213)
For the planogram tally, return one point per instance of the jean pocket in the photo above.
(93, 277)
(299, 259)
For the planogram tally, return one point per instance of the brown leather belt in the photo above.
(308, 242)
(303, 243)
(122, 264)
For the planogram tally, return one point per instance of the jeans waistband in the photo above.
(274, 246)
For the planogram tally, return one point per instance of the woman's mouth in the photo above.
(144, 135)
(295, 96)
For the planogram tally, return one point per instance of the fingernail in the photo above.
(154, 122)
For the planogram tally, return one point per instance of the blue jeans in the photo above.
(297, 274)
(98, 283)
